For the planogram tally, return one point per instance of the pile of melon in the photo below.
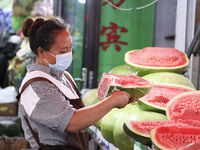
(167, 116)
(11, 128)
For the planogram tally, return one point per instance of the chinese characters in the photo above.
(113, 36)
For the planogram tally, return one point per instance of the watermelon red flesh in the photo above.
(160, 94)
(157, 57)
(184, 106)
(113, 82)
(174, 137)
(143, 128)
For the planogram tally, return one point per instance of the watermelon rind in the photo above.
(174, 99)
(146, 106)
(169, 78)
(135, 92)
(149, 107)
(136, 136)
(141, 70)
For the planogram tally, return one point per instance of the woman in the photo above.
(51, 117)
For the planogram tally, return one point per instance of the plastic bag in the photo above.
(8, 94)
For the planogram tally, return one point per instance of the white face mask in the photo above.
(63, 61)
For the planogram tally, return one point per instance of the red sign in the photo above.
(113, 36)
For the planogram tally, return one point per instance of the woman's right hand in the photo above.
(91, 114)
(120, 98)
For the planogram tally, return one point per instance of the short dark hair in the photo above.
(42, 32)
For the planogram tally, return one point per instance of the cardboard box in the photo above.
(8, 109)
(15, 143)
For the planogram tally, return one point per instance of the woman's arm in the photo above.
(88, 116)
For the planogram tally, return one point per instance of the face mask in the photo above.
(63, 61)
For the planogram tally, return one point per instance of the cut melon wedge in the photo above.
(134, 85)
(160, 94)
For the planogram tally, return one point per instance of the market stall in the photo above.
(115, 48)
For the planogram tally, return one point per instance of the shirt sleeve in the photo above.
(52, 108)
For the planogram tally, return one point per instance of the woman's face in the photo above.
(63, 44)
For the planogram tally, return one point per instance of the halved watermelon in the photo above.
(122, 141)
(176, 138)
(134, 85)
(156, 59)
(184, 106)
(160, 94)
(140, 130)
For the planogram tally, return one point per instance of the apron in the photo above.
(76, 140)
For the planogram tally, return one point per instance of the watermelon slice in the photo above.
(176, 138)
(135, 86)
(184, 106)
(156, 59)
(160, 94)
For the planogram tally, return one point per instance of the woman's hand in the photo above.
(120, 98)
(91, 114)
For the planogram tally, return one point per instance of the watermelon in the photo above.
(176, 138)
(122, 141)
(107, 124)
(108, 121)
(156, 59)
(135, 86)
(2, 128)
(160, 94)
(121, 70)
(12, 129)
(140, 130)
(89, 97)
(184, 106)
(169, 78)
